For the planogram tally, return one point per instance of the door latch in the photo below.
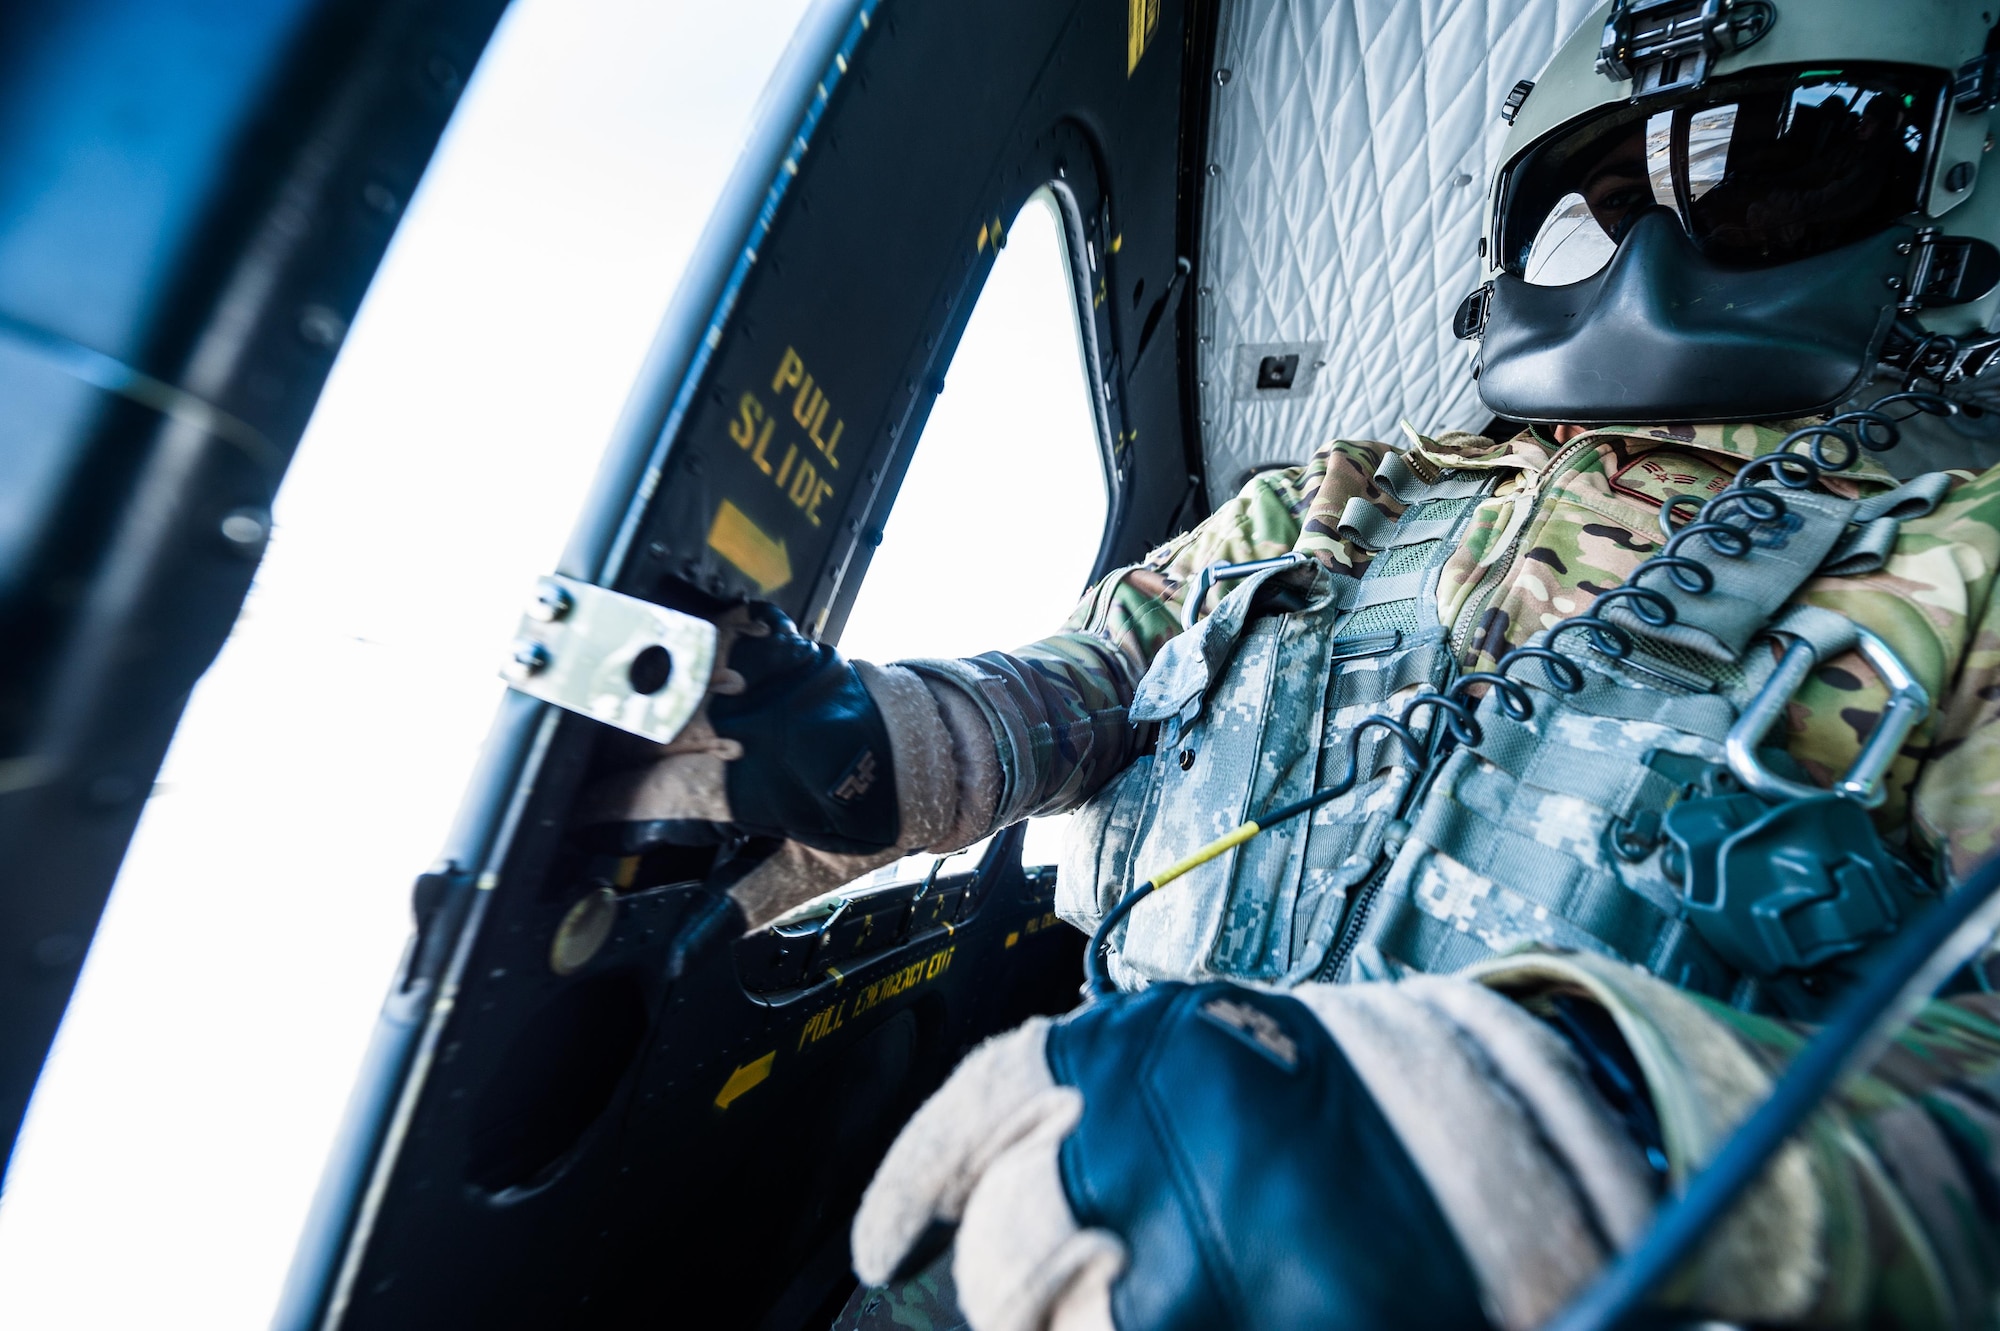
(626, 662)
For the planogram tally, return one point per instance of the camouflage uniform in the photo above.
(1907, 1161)
(1565, 524)
(1884, 1212)
(1893, 1217)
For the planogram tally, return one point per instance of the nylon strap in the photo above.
(1825, 631)
(1372, 679)
(1585, 896)
(1433, 515)
(1399, 587)
(1370, 528)
(1818, 534)
(1914, 498)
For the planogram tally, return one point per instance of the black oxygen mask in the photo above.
(1737, 252)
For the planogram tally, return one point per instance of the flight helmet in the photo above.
(1719, 210)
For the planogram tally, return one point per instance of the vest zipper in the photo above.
(1490, 583)
(1370, 887)
(1357, 917)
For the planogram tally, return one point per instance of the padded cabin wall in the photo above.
(1350, 143)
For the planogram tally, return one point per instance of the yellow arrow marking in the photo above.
(743, 543)
(746, 1078)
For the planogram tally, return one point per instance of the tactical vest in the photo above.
(1553, 829)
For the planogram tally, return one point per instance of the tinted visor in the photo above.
(1765, 168)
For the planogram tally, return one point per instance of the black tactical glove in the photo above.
(1207, 1156)
(819, 769)
(787, 744)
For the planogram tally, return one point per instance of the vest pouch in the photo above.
(1538, 835)
(1273, 729)
(1101, 861)
(1257, 709)
(1345, 839)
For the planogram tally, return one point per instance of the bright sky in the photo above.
(1013, 426)
(180, 1125)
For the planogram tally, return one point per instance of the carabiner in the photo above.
(1909, 703)
(1215, 573)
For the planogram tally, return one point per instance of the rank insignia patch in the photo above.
(1656, 476)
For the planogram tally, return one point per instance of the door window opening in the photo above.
(998, 522)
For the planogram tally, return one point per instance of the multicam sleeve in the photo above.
(1057, 707)
(1908, 1159)
(1955, 806)
(1883, 1211)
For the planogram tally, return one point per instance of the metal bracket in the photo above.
(626, 662)
(1909, 703)
(1469, 322)
(1975, 87)
(1662, 45)
(1944, 270)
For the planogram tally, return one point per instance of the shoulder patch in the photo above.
(1656, 476)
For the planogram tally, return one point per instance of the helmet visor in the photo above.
(1764, 168)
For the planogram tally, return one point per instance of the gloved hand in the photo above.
(819, 768)
(1416, 1155)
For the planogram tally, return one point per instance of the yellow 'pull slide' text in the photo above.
(801, 472)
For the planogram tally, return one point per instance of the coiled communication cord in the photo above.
(1726, 522)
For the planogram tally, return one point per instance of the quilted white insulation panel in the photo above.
(1350, 144)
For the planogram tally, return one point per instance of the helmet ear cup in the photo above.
(1664, 334)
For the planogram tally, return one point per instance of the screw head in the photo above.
(551, 603)
(529, 658)
(246, 530)
(322, 327)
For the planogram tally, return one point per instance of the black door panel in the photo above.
(634, 1149)
(590, 1106)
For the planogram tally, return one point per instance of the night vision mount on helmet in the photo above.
(1722, 211)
